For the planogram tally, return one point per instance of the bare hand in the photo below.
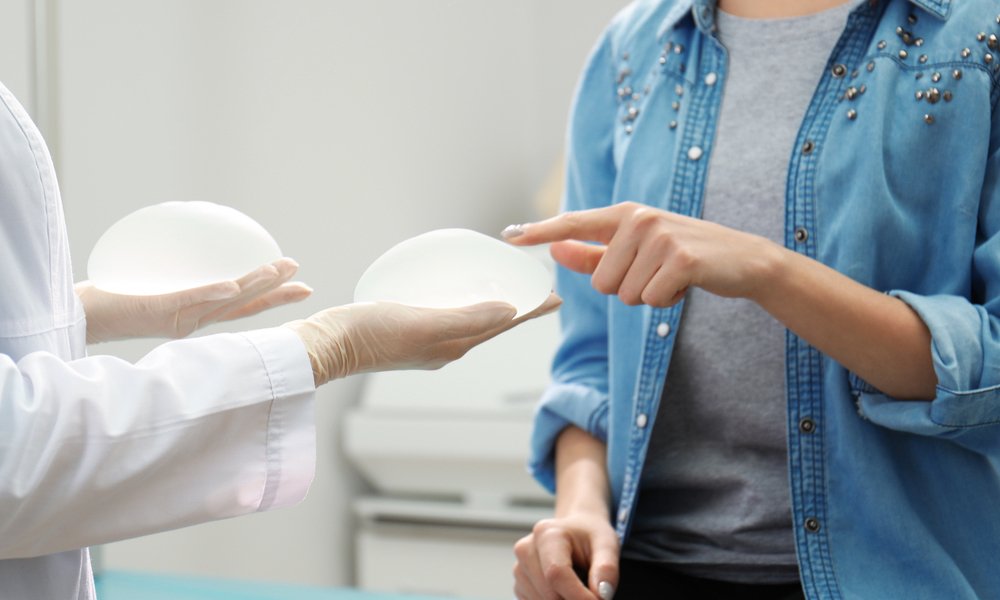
(549, 558)
(651, 256)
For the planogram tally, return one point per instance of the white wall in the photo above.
(343, 127)
(17, 32)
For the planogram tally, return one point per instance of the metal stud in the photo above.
(933, 95)
(854, 74)
(957, 74)
(628, 130)
(919, 42)
(870, 66)
(621, 92)
(966, 53)
(882, 44)
(918, 76)
(663, 60)
(673, 124)
(839, 70)
(711, 78)
(899, 31)
(679, 90)
(808, 147)
(988, 58)
(678, 49)
(992, 42)
(929, 119)
(981, 36)
(627, 90)
(936, 77)
(998, 19)
(694, 152)
(919, 95)
(633, 112)
(947, 95)
(623, 74)
(675, 105)
(851, 93)
(668, 47)
(852, 114)
(923, 58)
(911, 19)
(862, 89)
(903, 54)
(636, 96)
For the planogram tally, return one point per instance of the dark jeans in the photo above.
(642, 580)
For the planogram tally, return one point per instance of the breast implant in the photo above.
(449, 268)
(176, 246)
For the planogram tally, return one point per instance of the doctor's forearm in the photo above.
(877, 336)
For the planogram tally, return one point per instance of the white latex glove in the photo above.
(176, 315)
(382, 336)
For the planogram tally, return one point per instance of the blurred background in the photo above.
(343, 127)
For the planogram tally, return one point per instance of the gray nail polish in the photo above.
(512, 231)
(605, 590)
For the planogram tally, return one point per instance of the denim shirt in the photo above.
(894, 180)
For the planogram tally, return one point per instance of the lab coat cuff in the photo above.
(291, 428)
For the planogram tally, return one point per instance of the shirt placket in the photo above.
(706, 62)
(807, 427)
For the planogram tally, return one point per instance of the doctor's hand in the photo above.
(382, 336)
(651, 256)
(115, 316)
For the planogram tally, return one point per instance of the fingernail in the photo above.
(605, 590)
(512, 231)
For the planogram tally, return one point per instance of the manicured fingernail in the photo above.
(512, 231)
(605, 590)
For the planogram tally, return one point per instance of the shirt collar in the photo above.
(704, 12)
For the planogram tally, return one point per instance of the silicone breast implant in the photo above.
(175, 246)
(449, 268)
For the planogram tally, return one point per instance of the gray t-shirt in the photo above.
(714, 500)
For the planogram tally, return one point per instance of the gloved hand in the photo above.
(115, 316)
(382, 336)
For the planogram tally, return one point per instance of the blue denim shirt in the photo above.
(894, 181)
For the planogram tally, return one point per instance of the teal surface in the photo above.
(139, 586)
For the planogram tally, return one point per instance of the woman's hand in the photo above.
(551, 556)
(383, 336)
(651, 256)
(115, 316)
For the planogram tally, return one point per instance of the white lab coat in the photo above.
(97, 449)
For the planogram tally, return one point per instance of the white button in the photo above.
(663, 329)
(711, 78)
(694, 153)
(641, 420)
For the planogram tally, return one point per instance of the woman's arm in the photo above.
(580, 536)
(652, 256)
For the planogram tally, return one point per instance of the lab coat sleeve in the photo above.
(578, 394)
(965, 343)
(99, 449)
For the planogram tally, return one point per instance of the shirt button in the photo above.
(711, 78)
(801, 234)
(663, 329)
(812, 525)
(807, 425)
(839, 70)
(641, 421)
(695, 152)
